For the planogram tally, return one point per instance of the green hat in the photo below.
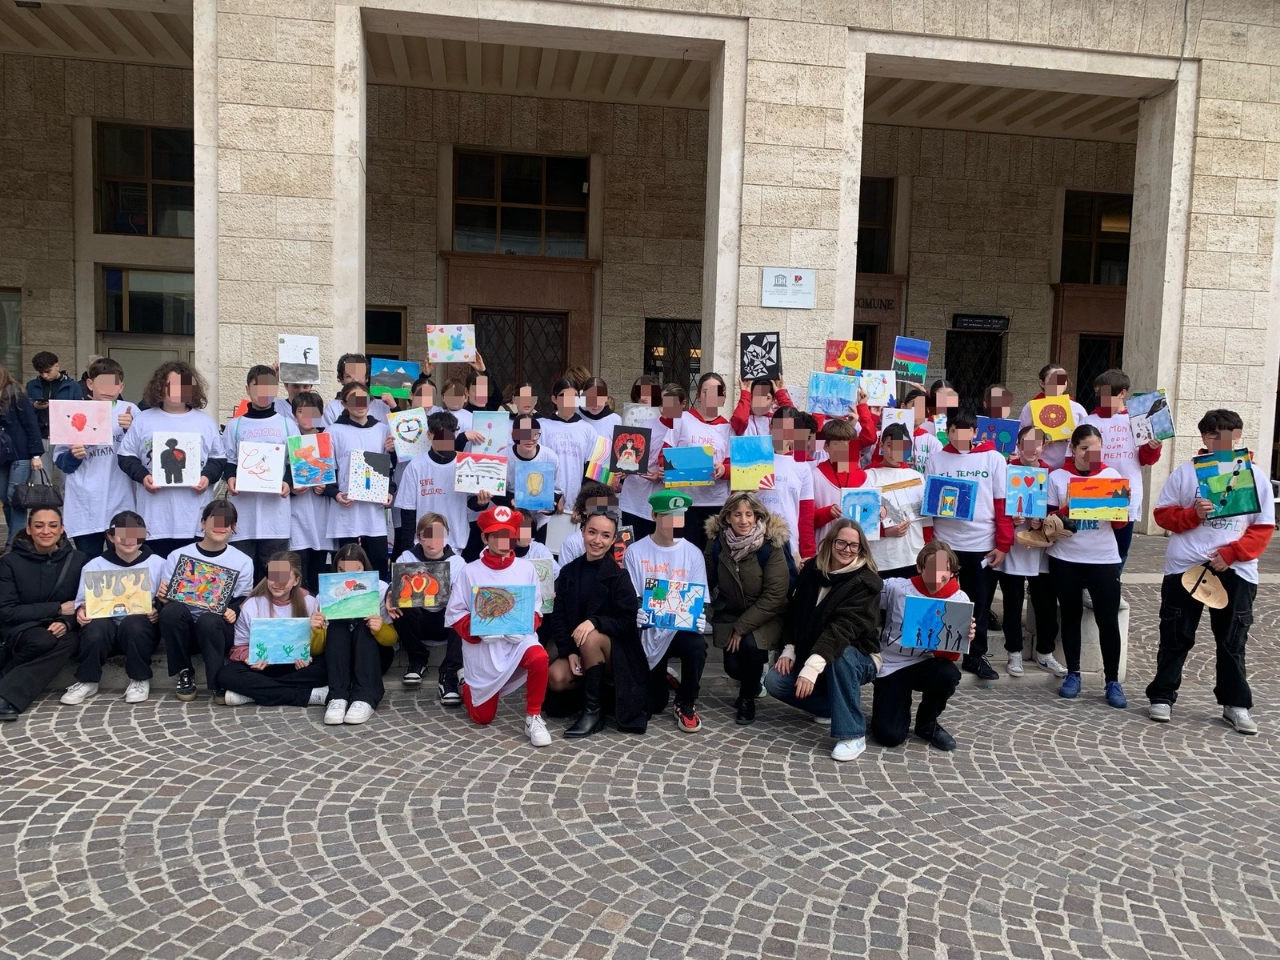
(670, 501)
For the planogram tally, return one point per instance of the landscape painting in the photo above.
(299, 359)
(480, 471)
(395, 377)
(911, 359)
(1226, 481)
(1098, 498)
(503, 610)
(831, 394)
(688, 466)
(929, 624)
(349, 596)
(1001, 434)
(280, 640)
(751, 460)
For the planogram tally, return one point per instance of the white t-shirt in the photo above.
(1055, 451)
(309, 520)
(680, 561)
(923, 446)
(893, 600)
(572, 443)
(492, 667)
(171, 513)
(636, 490)
(98, 489)
(228, 557)
(603, 425)
(357, 519)
(572, 547)
(427, 487)
(988, 469)
(153, 565)
(464, 418)
(262, 516)
(1121, 454)
(894, 553)
(1094, 541)
(792, 484)
(691, 431)
(378, 410)
(543, 455)
(1192, 548)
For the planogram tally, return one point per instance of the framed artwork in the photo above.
(688, 466)
(929, 624)
(546, 583)
(280, 640)
(1098, 498)
(862, 505)
(299, 359)
(949, 498)
(369, 477)
(1024, 491)
(480, 471)
(409, 431)
(420, 585)
(259, 467)
(311, 460)
(1226, 480)
(843, 356)
(751, 463)
(831, 394)
(761, 356)
(1150, 417)
(629, 451)
(451, 343)
(395, 377)
(175, 459)
(503, 610)
(349, 596)
(1054, 416)
(672, 604)
(117, 593)
(1003, 434)
(87, 423)
(496, 428)
(201, 584)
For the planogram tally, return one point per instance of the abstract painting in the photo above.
(409, 431)
(369, 477)
(672, 604)
(1226, 481)
(175, 459)
(503, 610)
(395, 377)
(495, 427)
(761, 357)
(1024, 491)
(862, 505)
(831, 394)
(546, 583)
(626, 536)
(598, 461)
(638, 414)
(1150, 417)
(117, 593)
(259, 467)
(929, 624)
(201, 584)
(451, 343)
(311, 460)
(1054, 416)
(299, 359)
(85, 423)
(950, 498)
(349, 596)
(751, 463)
(880, 386)
(280, 640)
(535, 482)
(911, 359)
(688, 466)
(479, 471)
(1098, 498)
(629, 451)
(843, 356)
(420, 585)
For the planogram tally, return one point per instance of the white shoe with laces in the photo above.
(335, 712)
(233, 699)
(318, 696)
(1050, 662)
(358, 712)
(138, 691)
(536, 729)
(1240, 720)
(847, 750)
(1160, 712)
(1015, 665)
(78, 693)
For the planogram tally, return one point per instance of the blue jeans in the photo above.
(837, 694)
(12, 476)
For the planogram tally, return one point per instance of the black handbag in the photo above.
(32, 495)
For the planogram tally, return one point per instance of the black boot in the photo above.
(746, 711)
(592, 719)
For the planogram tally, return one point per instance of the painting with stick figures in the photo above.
(1226, 481)
(929, 624)
(1024, 494)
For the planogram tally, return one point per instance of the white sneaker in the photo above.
(78, 693)
(318, 696)
(1015, 665)
(821, 721)
(233, 699)
(849, 749)
(138, 691)
(1050, 662)
(1087, 600)
(335, 712)
(537, 730)
(1160, 712)
(1239, 718)
(358, 712)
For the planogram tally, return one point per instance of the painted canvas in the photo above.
(546, 583)
(280, 640)
(1024, 492)
(832, 394)
(199, 583)
(259, 467)
(904, 416)
(929, 624)
(1053, 415)
(672, 604)
(86, 423)
(311, 460)
(751, 463)
(369, 478)
(626, 537)
(880, 385)
(451, 343)
(1150, 417)
(629, 451)
(843, 356)
(761, 356)
(117, 593)
(1002, 433)
(950, 498)
(862, 505)
(688, 466)
(495, 427)
(503, 610)
(638, 414)
(481, 471)
(349, 596)
(1098, 498)
(911, 359)
(175, 459)
(1226, 480)
(409, 431)
(598, 461)
(299, 359)
(420, 585)
(395, 377)
(535, 483)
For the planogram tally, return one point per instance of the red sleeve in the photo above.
(537, 620)
(947, 655)
(1177, 519)
(1249, 546)
(1147, 456)
(868, 432)
(1119, 524)
(1004, 527)
(822, 515)
(807, 546)
(463, 629)
(741, 415)
(928, 534)
(782, 399)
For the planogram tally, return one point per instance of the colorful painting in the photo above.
(843, 356)
(1002, 434)
(480, 471)
(929, 624)
(535, 482)
(420, 585)
(409, 431)
(451, 343)
(1098, 498)
(629, 449)
(349, 596)
(751, 463)
(863, 506)
(299, 359)
(831, 394)
(1150, 417)
(259, 467)
(911, 359)
(1054, 416)
(175, 459)
(761, 357)
(546, 583)
(85, 423)
(626, 536)
(598, 461)
(903, 415)
(688, 466)
(1226, 481)
(311, 460)
(395, 377)
(117, 593)
(880, 386)
(280, 640)
(638, 414)
(199, 583)
(949, 498)
(1024, 492)
(672, 604)
(369, 477)
(503, 610)
(495, 427)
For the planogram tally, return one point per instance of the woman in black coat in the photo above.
(593, 627)
(20, 449)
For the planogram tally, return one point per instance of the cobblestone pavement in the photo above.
(1056, 830)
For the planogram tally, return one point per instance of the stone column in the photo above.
(204, 59)
(349, 81)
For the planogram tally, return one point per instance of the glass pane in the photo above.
(175, 210)
(1113, 264)
(475, 176)
(113, 300)
(384, 326)
(521, 179)
(566, 233)
(1077, 215)
(124, 208)
(161, 302)
(11, 331)
(873, 202)
(172, 156)
(475, 229)
(873, 249)
(542, 340)
(565, 177)
(124, 151)
(1075, 261)
(521, 231)
(1116, 212)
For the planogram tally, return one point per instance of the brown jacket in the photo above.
(749, 598)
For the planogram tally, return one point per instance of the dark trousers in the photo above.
(691, 650)
(1045, 604)
(376, 548)
(695, 525)
(162, 547)
(355, 663)
(935, 678)
(260, 551)
(1124, 540)
(1102, 580)
(640, 526)
(183, 629)
(978, 583)
(419, 631)
(91, 544)
(277, 685)
(135, 636)
(1179, 618)
(30, 661)
(313, 564)
(746, 665)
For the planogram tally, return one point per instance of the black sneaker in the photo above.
(186, 689)
(979, 666)
(413, 676)
(937, 737)
(449, 693)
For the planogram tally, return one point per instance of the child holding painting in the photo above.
(1053, 383)
(791, 496)
(836, 474)
(351, 520)
(427, 486)
(902, 492)
(358, 651)
(308, 506)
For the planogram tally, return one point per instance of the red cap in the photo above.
(499, 518)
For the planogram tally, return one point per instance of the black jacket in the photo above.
(27, 578)
(849, 615)
(19, 421)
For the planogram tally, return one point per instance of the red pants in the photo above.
(535, 664)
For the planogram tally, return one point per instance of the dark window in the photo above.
(673, 351)
(974, 361)
(148, 302)
(1096, 355)
(521, 346)
(146, 181)
(520, 205)
(868, 334)
(1095, 238)
(384, 330)
(875, 225)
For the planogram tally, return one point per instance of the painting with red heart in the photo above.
(629, 452)
(1025, 491)
(84, 423)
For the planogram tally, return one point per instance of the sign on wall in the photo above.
(788, 287)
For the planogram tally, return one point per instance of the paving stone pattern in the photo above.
(1057, 830)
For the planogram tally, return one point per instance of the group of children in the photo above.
(279, 543)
